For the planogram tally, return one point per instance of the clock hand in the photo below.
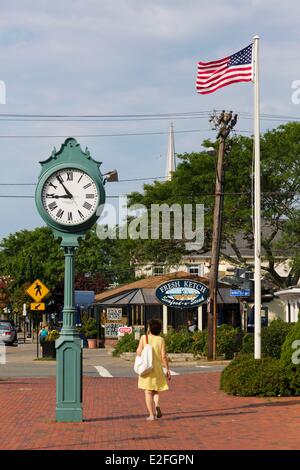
(67, 191)
(64, 196)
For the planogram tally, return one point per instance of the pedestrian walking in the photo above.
(155, 381)
(43, 333)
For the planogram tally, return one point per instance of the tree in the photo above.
(194, 181)
(97, 263)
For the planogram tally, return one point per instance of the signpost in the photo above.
(68, 194)
(37, 291)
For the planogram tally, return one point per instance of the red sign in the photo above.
(124, 329)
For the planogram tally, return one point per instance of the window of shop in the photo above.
(158, 270)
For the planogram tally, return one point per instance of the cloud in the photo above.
(109, 57)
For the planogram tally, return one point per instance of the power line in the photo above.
(125, 134)
(282, 193)
(145, 116)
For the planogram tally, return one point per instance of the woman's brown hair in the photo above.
(154, 326)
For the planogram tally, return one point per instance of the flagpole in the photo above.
(257, 215)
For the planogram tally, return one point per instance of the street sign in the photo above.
(37, 290)
(124, 329)
(239, 292)
(37, 306)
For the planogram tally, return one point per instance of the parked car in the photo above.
(8, 332)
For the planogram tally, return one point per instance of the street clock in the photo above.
(69, 193)
(70, 189)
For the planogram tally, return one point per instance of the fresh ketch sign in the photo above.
(182, 293)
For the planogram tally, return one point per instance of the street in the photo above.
(21, 362)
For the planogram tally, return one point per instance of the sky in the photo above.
(108, 57)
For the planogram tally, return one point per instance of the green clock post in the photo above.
(68, 194)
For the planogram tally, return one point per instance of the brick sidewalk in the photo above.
(196, 416)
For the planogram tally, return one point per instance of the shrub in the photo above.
(126, 344)
(229, 341)
(246, 376)
(199, 346)
(290, 355)
(89, 328)
(179, 342)
(274, 336)
(272, 339)
(248, 344)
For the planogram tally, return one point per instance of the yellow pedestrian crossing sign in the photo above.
(37, 306)
(37, 290)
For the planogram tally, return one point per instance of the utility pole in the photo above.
(224, 123)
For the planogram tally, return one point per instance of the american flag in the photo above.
(237, 67)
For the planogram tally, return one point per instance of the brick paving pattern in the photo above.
(196, 416)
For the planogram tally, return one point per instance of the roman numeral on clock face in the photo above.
(81, 215)
(60, 214)
(52, 206)
(69, 175)
(87, 185)
(70, 216)
(90, 196)
(87, 206)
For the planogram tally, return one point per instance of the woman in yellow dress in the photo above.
(155, 381)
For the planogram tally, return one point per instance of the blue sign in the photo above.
(182, 293)
(239, 292)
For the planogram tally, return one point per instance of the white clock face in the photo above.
(70, 196)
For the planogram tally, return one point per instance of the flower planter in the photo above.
(48, 348)
(92, 342)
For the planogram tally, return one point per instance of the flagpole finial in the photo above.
(256, 37)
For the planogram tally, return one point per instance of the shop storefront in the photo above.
(136, 303)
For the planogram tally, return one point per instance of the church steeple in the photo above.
(171, 162)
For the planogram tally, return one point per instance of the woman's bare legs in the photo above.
(149, 403)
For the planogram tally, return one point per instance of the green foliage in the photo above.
(105, 261)
(246, 376)
(53, 335)
(272, 339)
(248, 344)
(290, 359)
(288, 348)
(126, 344)
(269, 376)
(199, 347)
(179, 342)
(89, 328)
(280, 163)
(38, 244)
(228, 342)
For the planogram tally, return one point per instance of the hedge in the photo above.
(126, 344)
(246, 376)
(272, 339)
(269, 376)
(229, 342)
